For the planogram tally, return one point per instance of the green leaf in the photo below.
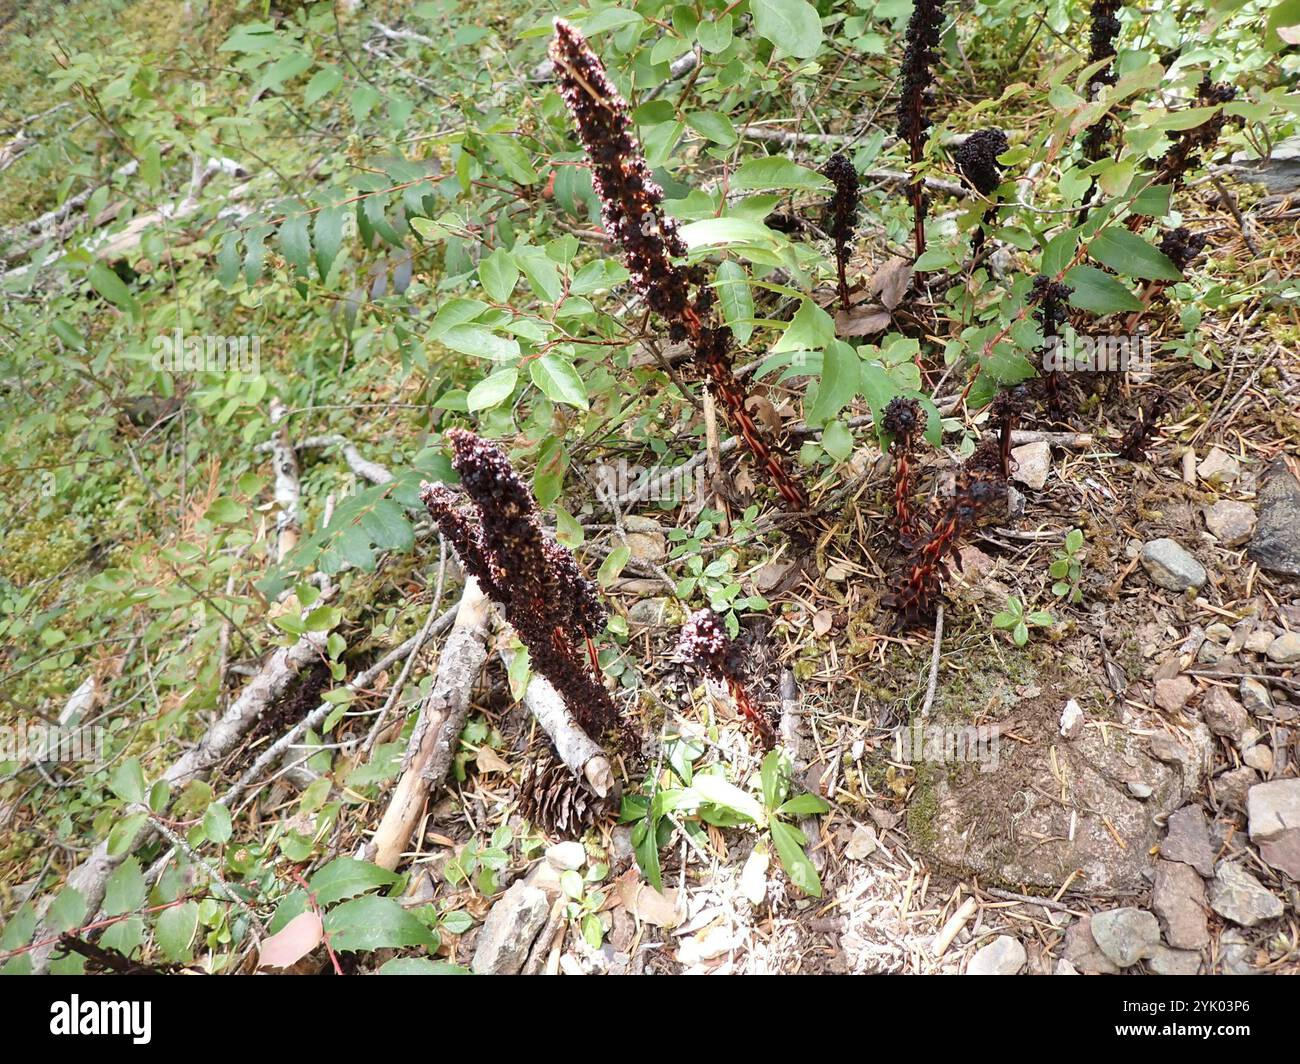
(514, 158)
(125, 890)
(498, 274)
(1099, 292)
(1284, 16)
(480, 341)
(805, 805)
(371, 923)
(1020, 634)
(127, 781)
(840, 377)
(328, 234)
(1074, 540)
(109, 285)
(1130, 256)
(714, 126)
(346, 877)
(791, 25)
(421, 966)
(228, 259)
(493, 389)
(225, 511)
(295, 242)
(613, 565)
(716, 791)
(216, 823)
(736, 299)
(837, 440)
(123, 833)
(175, 930)
(789, 849)
(558, 380)
(776, 172)
(323, 82)
(811, 329)
(67, 910)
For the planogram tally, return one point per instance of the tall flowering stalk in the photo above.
(905, 422)
(537, 583)
(981, 491)
(842, 216)
(923, 31)
(632, 209)
(705, 645)
(1049, 298)
(1101, 47)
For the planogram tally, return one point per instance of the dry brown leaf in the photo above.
(862, 321)
(891, 280)
(763, 411)
(822, 621)
(487, 760)
(646, 903)
(292, 942)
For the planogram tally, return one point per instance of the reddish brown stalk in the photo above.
(705, 645)
(905, 421)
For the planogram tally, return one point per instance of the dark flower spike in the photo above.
(1181, 246)
(632, 208)
(923, 31)
(977, 159)
(1185, 153)
(1101, 46)
(537, 583)
(1050, 298)
(842, 215)
(1135, 441)
(905, 421)
(705, 645)
(1007, 408)
(981, 492)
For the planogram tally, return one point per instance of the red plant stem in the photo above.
(756, 717)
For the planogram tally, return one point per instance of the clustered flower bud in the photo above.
(904, 420)
(1006, 409)
(923, 31)
(842, 215)
(1101, 46)
(977, 159)
(632, 209)
(536, 582)
(981, 492)
(1181, 246)
(705, 645)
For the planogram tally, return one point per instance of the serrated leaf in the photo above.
(346, 877)
(124, 891)
(175, 930)
(371, 923)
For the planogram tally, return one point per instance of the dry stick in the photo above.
(272, 680)
(583, 757)
(442, 717)
(288, 489)
(934, 662)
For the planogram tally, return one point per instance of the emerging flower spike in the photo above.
(842, 215)
(977, 159)
(705, 645)
(1101, 46)
(905, 421)
(632, 209)
(1135, 441)
(1181, 246)
(1188, 144)
(536, 582)
(981, 492)
(1050, 298)
(1005, 411)
(923, 31)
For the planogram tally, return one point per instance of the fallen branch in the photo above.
(433, 742)
(288, 489)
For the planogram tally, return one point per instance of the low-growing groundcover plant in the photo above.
(492, 252)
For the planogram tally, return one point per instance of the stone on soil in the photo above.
(1003, 956)
(1171, 567)
(1178, 898)
(1238, 896)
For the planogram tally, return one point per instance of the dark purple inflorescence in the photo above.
(977, 159)
(1185, 152)
(705, 645)
(1049, 298)
(536, 582)
(923, 31)
(1181, 246)
(842, 215)
(904, 420)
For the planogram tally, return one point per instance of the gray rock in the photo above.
(1276, 543)
(1171, 567)
(1015, 502)
(1238, 896)
(862, 844)
(1236, 953)
(1259, 641)
(1033, 461)
(1178, 898)
(1285, 649)
(1082, 951)
(1231, 523)
(648, 612)
(1188, 840)
(1224, 714)
(1003, 956)
(1166, 961)
(1125, 935)
(1064, 967)
(1273, 808)
(508, 932)
(1219, 468)
(1255, 696)
(1283, 852)
(645, 539)
(1219, 632)
(1231, 788)
(1260, 758)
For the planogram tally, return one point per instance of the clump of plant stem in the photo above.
(1133, 445)
(922, 35)
(632, 209)
(1050, 298)
(842, 216)
(705, 645)
(553, 607)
